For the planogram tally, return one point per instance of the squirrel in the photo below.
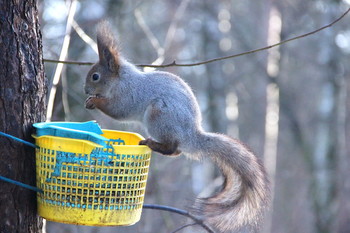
(168, 109)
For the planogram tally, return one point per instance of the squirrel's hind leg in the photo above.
(169, 149)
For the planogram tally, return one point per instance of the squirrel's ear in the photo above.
(107, 48)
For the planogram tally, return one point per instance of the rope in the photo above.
(18, 140)
(33, 188)
(21, 184)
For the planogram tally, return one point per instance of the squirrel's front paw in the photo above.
(89, 103)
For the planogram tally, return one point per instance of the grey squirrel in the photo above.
(168, 109)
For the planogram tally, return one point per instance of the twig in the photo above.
(181, 212)
(65, 99)
(161, 50)
(251, 51)
(148, 32)
(63, 55)
(174, 63)
(87, 39)
(174, 22)
(183, 227)
(69, 62)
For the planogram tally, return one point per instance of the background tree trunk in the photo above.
(22, 103)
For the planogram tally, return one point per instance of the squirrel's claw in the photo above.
(89, 103)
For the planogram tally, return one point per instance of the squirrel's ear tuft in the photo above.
(107, 47)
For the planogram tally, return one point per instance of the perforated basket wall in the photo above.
(88, 184)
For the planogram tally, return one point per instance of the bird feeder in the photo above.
(90, 176)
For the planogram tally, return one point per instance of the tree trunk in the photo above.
(22, 103)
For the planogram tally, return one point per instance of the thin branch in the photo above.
(174, 63)
(173, 26)
(63, 55)
(169, 36)
(65, 100)
(183, 227)
(181, 212)
(151, 37)
(69, 62)
(148, 32)
(251, 51)
(84, 36)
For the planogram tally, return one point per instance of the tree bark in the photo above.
(22, 103)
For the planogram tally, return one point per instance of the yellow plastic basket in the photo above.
(88, 184)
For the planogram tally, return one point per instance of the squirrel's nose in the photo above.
(87, 90)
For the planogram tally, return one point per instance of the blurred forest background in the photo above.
(290, 104)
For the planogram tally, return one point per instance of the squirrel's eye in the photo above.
(95, 77)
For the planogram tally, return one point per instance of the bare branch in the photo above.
(174, 63)
(169, 36)
(184, 226)
(151, 37)
(181, 212)
(251, 51)
(69, 62)
(63, 55)
(84, 36)
(173, 26)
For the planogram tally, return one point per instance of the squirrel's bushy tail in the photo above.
(245, 193)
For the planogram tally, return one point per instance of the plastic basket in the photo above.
(86, 183)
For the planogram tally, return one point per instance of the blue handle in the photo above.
(89, 126)
(89, 131)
